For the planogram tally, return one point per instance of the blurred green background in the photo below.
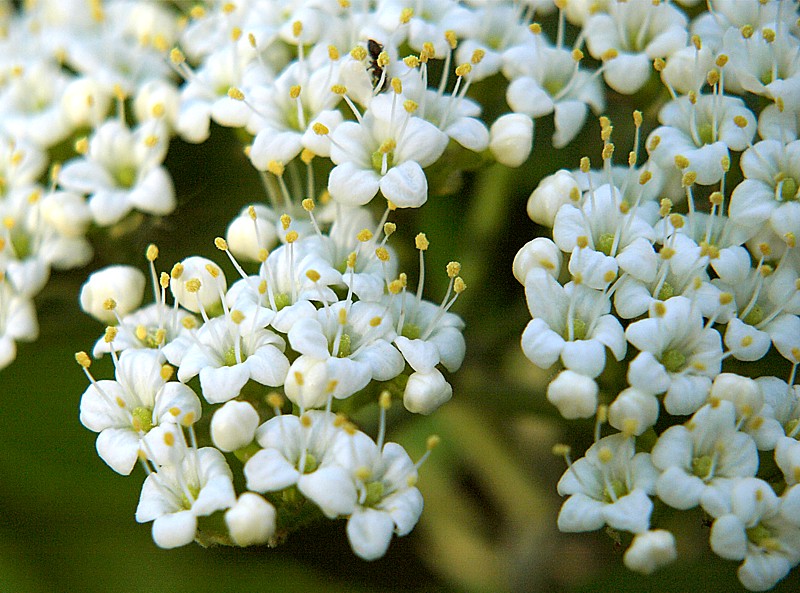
(66, 520)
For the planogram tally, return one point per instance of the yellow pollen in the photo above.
(535, 28)
(320, 129)
(212, 270)
(307, 156)
(236, 34)
(161, 335)
(740, 121)
(582, 242)
(109, 304)
(308, 204)
(221, 244)
(608, 151)
(385, 400)
(607, 55)
(697, 42)
(351, 260)
(169, 439)
(410, 106)
(274, 400)
(459, 285)
(166, 374)
(464, 69)
(189, 322)
(237, 316)
(383, 59)
(262, 255)
(405, 15)
(585, 165)
(163, 280)
(411, 61)
(140, 332)
(176, 56)
(389, 228)
(421, 242)
(235, 94)
(83, 359)
(747, 31)
(395, 286)
(382, 254)
(388, 146)
(82, 145)
(715, 198)
(688, 178)
(681, 161)
(262, 287)
(676, 220)
(477, 56)
(313, 275)
(331, 386)
(654, 142)
(297, 28)
(768, 35)
(432, 442)
(339, 89)
(790, 239)
(333, 53)
(453, 269)
(292, 236)
(358, 53)
(294, 91)
(721, 60)
(712, 77)
(375, 322)
(364, 235)
(660, 309)
(609, 276)
(276, 168)
(192, 285)
(577, 55)
(397, 86)
(637, 118)
(451, 38)
(111, 334)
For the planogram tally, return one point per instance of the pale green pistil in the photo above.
(374, 493)
(673, 360)
(282, 300)
(125, 176)
(21, 241)
(762, 537)
(344, 346)
(614, 490)
(579, 330)
(666, 292)
(605, 243)
(311, 464)
(702, 466)
(755, 316)
(377, 160)
(787, 190)
(706, 133)
(142, 419)
(411, 331)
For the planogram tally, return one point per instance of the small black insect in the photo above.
(375, 49)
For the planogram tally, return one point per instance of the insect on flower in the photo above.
(375, 50)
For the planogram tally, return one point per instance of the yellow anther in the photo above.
(262, 287)
(351, 260)
(212, 270)
(237, 316)
(221, 244)
(235, 94)
(561, 450)
(291, 237)
(768, 35)
(630, 426)
(403, 278)
(342, 316)
(721, 60)
(236, 34)
(395, 286)
(712, 77)
(286, 220)
(307, 156)
(192, 285)
(421, 242)
(189, 322)
(333, 53)
(82, 145)
(262, 255)
(83, 359)
(747, 31)
(161, 336)
(459, 285)
(109, 304)
(397, 86)
(575, 194)
(725, 298)
(276, 168)
(665, 207)
(790, 240)
(320, 129)
(176, 56)
(428, 51)
(605, 455)
(585, 164)
(389, 228)
(577, 55)
(535, 28)
(140, 332)
(405, 15)
(637, 118)
(659, 64)
(274, 400)
(606, 56)
(582, 242)
(608, 151)
(158, 110)
(308, 204)
(464, 69)
(410, 106)
(383, 59)
(364, 235)
(358, 53)
(688, 179)
(453, 269)
(388, 146)
(432, 442)
(740, 121)
(666, 253)
(450, 37)
(163, 280)
(313, 275)
(375, 321)
(294, 91)
(166, 374)
(681, 161)
(411, 61)
(697, 42)
(297, 28)
(385, 400)
(111, 334)
(382, 254)
(716, 198)
(339, 89)
(676, 220)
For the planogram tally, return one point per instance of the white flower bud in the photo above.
(743, 392)
(196, 268)
(633, 411)
(247, 237)
(68, 212)
(85, 102)
(233, 426)
(538, 253)
(650, 550)
(251, 520)
(123, 284)
(425, 392)
(511, 139)
(574, 395)
(552, 192)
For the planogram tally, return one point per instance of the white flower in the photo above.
(571, 322)
(553, 191)
(299, 451)
(228, 352)
(386, 151)
(125, 410)
(540, 252)
(574, 395)
(678, 354)
(609, 486)
(761, 529)
(248, 235)
(123, 284)
(511, 139)
(425, 392)
(121, 171)
(17, 322)
(233, 426)
(208, 295)
(698, 459)
(175, 495)
(633, 411)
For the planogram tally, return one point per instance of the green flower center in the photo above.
(614, 491)
(311, 464)
(666, 292)
(762, 537)
(605, 243)
(411, 331)
(553, 86)
(142, 419)
(788, 190)
(21, 241)
(374, 493)
(755, 316)
(377, 160)
(282, 300)
(579, 329)
(702, 466)
(673, 360)
(706, 133)
(125, 176)
(229, 358)
(344, 346)
(293, 118)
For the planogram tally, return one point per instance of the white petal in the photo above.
(369, 532)
(174, 530)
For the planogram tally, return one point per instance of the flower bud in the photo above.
(123, 284)
(233, 426)
(425, 392)
(633, 411)
(85, 102)
(552, 192)
(251, 520)
(157, 99)
(511, 139)
(538, 253)
(67, 212)
(574, 395)
(307, 383)
(743, 392)
(650, 550)
(195, 267)
(247, 236)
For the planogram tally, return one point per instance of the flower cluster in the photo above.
(685, 269)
